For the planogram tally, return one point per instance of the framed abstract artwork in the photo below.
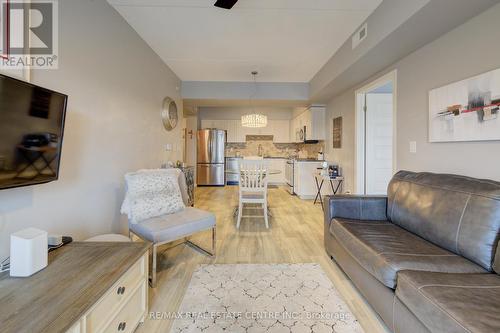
(467, 110)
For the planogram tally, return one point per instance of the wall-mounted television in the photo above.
(31, 133)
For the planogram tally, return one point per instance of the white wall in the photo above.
(191, 139)
(463, 52)
(116, 85)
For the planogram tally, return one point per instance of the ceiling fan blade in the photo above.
(226, 4)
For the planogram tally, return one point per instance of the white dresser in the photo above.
(87, 287)
(123, 306)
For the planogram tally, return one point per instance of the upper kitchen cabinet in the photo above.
(207, 124)
(280, 129)
(313, 120)
(231, 127)
(316, 122)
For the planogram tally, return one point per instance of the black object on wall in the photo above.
(226, 4)
(31, 133)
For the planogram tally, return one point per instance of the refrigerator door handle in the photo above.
(209, 146)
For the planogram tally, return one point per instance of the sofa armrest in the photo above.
(355, 207)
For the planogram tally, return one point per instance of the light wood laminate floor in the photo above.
(295, 236)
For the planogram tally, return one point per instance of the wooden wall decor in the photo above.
(337, 132)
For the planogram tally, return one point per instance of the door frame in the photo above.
(359, 117)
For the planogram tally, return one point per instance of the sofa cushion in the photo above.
(174, 226)
(452, 302)
(384, 249)
(460, 214)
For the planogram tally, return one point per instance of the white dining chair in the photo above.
(253, 186)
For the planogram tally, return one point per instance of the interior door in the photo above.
(379, 143)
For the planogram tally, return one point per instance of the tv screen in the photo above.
(31, 133)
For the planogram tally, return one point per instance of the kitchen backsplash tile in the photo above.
(269, 148)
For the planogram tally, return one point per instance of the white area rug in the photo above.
(263, 298)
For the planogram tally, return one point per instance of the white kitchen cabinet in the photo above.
(295, 128)
(313, 118)
(244, 131)
(232, 127)
(220, 124)
(303, 177)
(240, 132)
(232, 134)
(207, 124)
(280, 129)
(315, 122)
(277, 164)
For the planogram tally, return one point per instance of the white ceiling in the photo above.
(285, 40)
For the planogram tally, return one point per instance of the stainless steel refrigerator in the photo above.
(210, 170)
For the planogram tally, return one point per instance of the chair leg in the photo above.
(153, 266)
(266, 217)
(240, 213)
(214, 243)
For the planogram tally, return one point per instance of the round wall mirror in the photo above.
(169, 114)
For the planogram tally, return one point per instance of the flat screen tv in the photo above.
(31, 133)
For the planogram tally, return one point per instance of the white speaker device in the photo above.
(28, 252)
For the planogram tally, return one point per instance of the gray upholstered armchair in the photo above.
(181, 225)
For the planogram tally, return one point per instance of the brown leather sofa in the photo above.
(425, 256)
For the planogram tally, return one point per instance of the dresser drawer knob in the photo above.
(120, 290)
(121, 326)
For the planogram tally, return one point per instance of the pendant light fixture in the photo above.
(254, 120)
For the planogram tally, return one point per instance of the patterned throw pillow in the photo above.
(152, 193)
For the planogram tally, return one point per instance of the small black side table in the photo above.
(320, 179)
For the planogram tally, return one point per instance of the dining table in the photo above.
(268, 172)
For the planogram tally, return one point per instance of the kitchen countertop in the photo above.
(285, 158)
(265, 157)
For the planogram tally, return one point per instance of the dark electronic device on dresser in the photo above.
(31, 133)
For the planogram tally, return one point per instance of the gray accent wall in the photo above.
(291, 91)
(116, 85)
(233, 113)
(466, 51)
(396, 29)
